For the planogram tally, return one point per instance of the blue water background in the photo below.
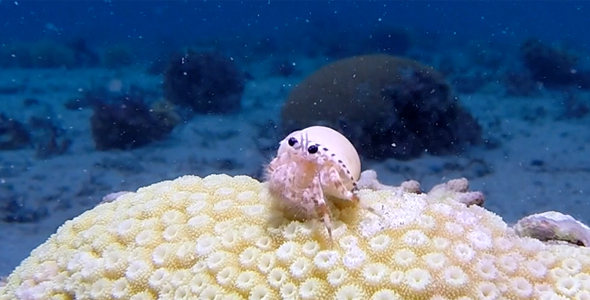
(164, 24)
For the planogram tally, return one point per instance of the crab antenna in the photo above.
(304, 143)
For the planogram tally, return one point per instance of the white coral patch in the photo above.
(455, 277)
(415, 238)
(567, 286)
(386, 295)
(226, 276)
(348, 242)
(463, 252)
(380, 243)
(300, 267)
(336, 277)
(435, 260)
(454, 229)
(487, 291)
(310, 248)
(223, 205)
(310, 289)
(480, 240)
(326, 259)
(397, 218)
(287, 252)
(266, 262)
(417, 279)
(466, 218)
(288, 291)
(371, 226)
(206, 244)
(246, 280)
(521, 287)
(442, 209)
(375, 274)
(245, 196)
(199, 221)
(571, 266)
(254, 210)
(276, 277)
(536, 269)
(486, 269)
(249, 257)
(354, 258)
(404, 257)
(349, 292)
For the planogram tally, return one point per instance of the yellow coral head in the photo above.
(218, 237)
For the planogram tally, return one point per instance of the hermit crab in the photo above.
(310, 164)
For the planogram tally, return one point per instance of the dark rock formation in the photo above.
(205, 82)
(387, 106)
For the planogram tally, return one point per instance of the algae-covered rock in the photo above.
(387, 106)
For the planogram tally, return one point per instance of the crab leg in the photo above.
(316, 195)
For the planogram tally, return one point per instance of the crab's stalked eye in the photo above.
(292, 141)
(312, 149)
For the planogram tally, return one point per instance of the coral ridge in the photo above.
(222, 237)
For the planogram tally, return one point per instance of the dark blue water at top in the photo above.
(159, 22)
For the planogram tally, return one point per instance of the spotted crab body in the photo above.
(310, 164)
